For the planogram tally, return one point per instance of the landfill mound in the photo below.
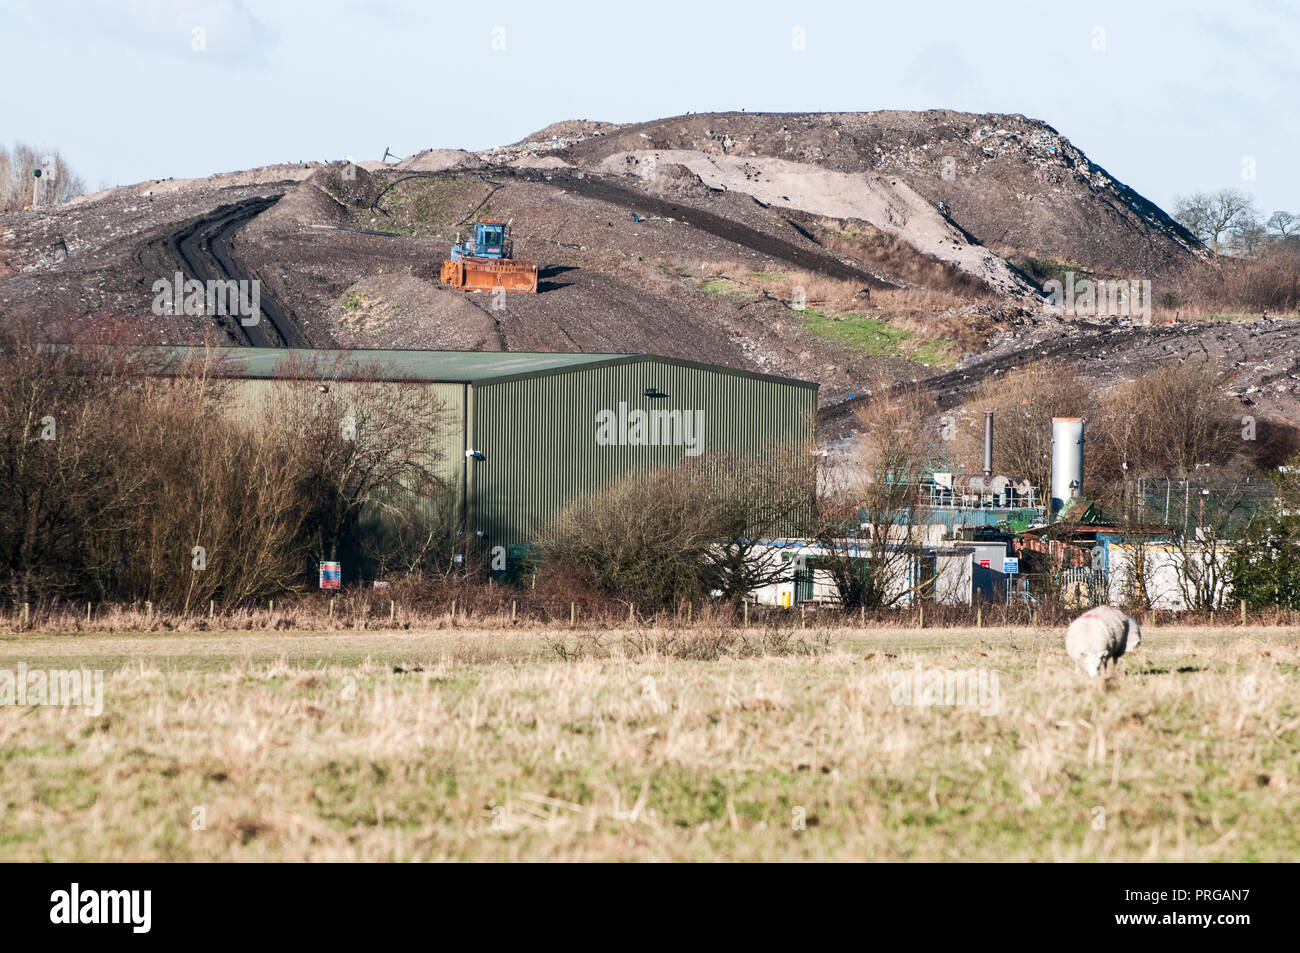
(830, 247)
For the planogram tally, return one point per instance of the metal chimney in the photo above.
(988, 443)
(1067, 459)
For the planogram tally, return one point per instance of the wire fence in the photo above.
(484, 607)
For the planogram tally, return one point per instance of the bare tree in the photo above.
(1284, 223)
(130, 480)
(1202, 553)
(1023, 401)
(58, 183)
(60, 423)
(367, 452)
(1248, 237)
(1135, 580)
(756, 501)
(217, 519)
(870, 524)
(1175, 421)
(1212, 216)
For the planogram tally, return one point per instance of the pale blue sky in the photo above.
(1179, 96)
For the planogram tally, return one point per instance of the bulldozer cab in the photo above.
(490, 239)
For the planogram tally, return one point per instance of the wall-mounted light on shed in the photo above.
(474, 455)
(653, 392)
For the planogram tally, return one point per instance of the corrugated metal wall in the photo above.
(538, 434)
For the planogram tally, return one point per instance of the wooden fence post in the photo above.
(514, 606)
(27, 614)
(331, 608)
(392, 611)
(212, 608)
(88, 611)
(573, 613)
(1243, 611)
(745, 607)
(920, 615)
(979, 616)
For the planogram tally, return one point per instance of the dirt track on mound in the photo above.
(203, 250)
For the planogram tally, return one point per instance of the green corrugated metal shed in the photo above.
(536, 418)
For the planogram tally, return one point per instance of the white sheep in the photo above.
(1100, 636)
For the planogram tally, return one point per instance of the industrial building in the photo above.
(983, 536)
(526, 433)
(944, 574)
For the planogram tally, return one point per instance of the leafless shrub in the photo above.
(684, 532)
(1175, 421)
(1171, 422)
(1266, 281)
(57, 445)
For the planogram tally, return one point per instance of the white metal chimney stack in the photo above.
(1067, 460)
(988, 443)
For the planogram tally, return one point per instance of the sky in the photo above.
(1167, 97)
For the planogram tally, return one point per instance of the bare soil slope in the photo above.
(1015, 184)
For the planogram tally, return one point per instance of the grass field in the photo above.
(498, 745)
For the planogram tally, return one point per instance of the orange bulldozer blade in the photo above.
(488, 274)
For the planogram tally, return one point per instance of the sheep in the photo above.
(1100, 636)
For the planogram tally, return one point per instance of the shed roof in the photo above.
(409, 365)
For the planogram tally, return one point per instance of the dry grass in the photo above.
(835, 296)
(920, 316)
(572, 745)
